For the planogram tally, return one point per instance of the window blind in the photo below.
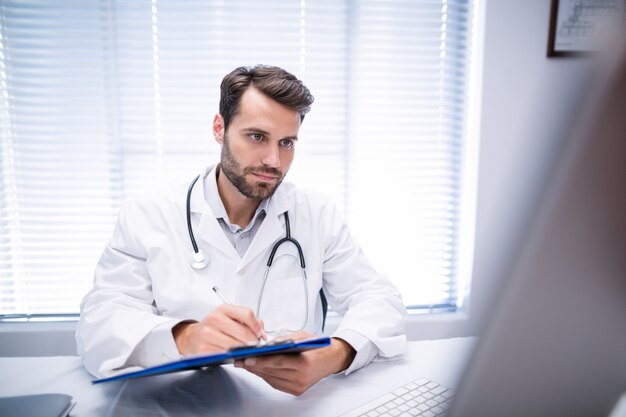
(409, 83)
(100, 100)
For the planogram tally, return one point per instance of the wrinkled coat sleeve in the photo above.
(371, 305)
(118, 312)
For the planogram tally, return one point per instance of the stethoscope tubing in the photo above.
(189, 227)
(200, 261)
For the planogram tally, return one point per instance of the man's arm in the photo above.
(118, 313)
(373, 312)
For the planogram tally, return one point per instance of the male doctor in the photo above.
(153, 299)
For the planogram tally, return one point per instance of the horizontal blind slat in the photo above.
(102, 99)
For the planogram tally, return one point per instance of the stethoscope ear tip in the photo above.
(198, 260)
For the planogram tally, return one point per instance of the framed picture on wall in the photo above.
(577, 27)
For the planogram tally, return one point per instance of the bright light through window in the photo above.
(101, 100)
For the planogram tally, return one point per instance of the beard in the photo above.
(237, 175)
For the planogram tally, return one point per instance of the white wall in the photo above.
(38, 339)
(524, 95)
(524, 98)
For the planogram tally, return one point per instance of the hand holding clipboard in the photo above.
(236, 353)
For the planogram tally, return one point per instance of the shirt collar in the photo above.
(212, 197)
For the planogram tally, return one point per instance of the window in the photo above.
(101, 99)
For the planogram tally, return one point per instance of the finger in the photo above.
(240, 332)
(278, 374)
(274, 364)
(301, 335)
(245, 316)
(292, 380)
(264, 334)
(287, 384)
(224, 320)
(297, 336)
(214, 339)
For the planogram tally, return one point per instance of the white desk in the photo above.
(228, 391)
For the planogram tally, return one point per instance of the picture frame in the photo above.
(578, 26)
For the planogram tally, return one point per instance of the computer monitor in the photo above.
(556, 343)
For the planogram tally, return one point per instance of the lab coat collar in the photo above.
(208, 229)
(272, 229)
(198, 203)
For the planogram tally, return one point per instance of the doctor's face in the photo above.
(258, 147)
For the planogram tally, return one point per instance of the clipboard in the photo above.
(236, 353)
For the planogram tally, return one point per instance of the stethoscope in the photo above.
(199, 260)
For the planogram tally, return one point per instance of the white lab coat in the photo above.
(144, 285)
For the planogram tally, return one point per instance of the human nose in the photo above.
(271, 156)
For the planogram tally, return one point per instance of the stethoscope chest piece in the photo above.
(198, 260)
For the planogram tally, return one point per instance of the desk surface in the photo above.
(228, 391)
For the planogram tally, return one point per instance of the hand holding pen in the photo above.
(226, 326)
(222, 297)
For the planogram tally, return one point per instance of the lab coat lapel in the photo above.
(272, 229)
(208, 229)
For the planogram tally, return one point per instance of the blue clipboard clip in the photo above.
(275, 347)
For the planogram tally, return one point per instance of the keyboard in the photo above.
(422, 397)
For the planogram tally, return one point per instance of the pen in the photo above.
(222, 297)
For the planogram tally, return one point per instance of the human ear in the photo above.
(218, 129)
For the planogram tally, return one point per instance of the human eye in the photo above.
(256, 137)
(286, 143)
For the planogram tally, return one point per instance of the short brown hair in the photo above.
(274, 82)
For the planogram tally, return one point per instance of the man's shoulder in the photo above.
(307, 202)
(163, 195)
(298, 194)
